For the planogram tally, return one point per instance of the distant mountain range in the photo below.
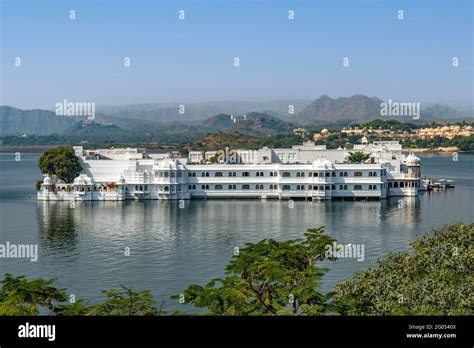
(41, 122)
(170, 112)
(360, 108)
(164, 122)
(254, 123)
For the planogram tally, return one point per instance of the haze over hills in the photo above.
(41, 122)
(164, 120)
(360, 108)
(170, 112)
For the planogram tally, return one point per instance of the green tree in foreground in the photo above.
(282, 278)
(60, 161)
(19, 296)
(269, 278)
(123, 302)
(435, 278)
(357, 157)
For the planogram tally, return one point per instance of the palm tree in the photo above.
(357, 157)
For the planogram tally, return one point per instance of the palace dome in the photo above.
(412, 159)
(322, 163)
(47, 180)
(82, 179)
(167, 164)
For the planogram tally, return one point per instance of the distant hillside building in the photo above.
(322, 135)
(301, 132)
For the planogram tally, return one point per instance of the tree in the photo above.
(269, 278)
(123, 302)
(60, 161)
(214, 159)
(19, 296)
(435, 278)
(183, 151)
(357, 157)
(282, 278)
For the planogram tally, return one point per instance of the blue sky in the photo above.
(192, 60)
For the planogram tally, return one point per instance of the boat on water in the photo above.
(441, 184)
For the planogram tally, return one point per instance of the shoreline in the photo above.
(29, 148)
(42, 148)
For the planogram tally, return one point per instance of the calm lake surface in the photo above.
(171, 248)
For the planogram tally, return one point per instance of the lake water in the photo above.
(171, 248)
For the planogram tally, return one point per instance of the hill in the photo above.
(326, 109)
(41, 122)
(221, 140)
(169, 112)
(253, 123)
(360, 108)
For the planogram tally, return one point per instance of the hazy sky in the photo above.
(175, 60)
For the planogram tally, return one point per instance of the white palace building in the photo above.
(305, 171)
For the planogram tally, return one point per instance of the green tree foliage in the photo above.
(283, 278)
(389, 124)
(269, 278)
(60, 161)
(126, 302)
(19, 296)
(120, 302)
(465, 143)
(357, 157)
(435, 278)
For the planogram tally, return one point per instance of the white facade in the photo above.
(304, 172)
